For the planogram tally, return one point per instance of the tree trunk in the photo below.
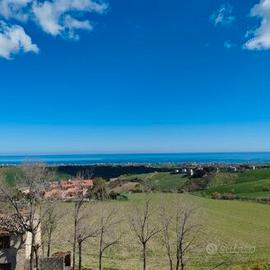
(74, 239)
(80, 255)
(144, 256)
(177, 265)
(169, 255)
(182, 262)
(100, 249)
(171, 264)
(100, 261)
(177, 261)
(36, 258)
(31, 260)
(31, 252)
(49, 247)
(74, 254)
(182, 253)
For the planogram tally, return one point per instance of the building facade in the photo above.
(12, 244)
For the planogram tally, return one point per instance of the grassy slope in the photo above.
(248, 183)
(256, 187)
(224, 222)
(159, 181)
(12, 173)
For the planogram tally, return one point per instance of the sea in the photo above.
(162, 158)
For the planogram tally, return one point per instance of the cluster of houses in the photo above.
(200, 171)
(68, 189)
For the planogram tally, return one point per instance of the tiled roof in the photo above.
(61, 254)
(10, 224)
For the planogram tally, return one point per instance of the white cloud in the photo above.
(55, 17)
(15, 9)
(260, 37)
(223, 16)
(14, 40)
(72, 24)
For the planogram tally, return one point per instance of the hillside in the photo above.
(251, 183)
(248, 183)
(225, 224)
(164, 182)
(12, 174)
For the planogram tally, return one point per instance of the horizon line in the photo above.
(130, 153)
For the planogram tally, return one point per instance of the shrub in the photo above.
(216, 196)
(267, 188)
(228, 196)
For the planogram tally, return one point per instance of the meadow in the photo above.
(159, 181)
(248, 183)
(240, 231)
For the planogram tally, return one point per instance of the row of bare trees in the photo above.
(178, 229)
(102, 228)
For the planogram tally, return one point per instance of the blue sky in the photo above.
(134, 76)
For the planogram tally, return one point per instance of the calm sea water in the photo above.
(259, 157)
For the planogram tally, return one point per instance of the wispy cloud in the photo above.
(13, 40)
(223, 16)
(259, 39)
(15, 9)
(61, 18)
(228, 44)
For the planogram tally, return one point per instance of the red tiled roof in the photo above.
(69, 188)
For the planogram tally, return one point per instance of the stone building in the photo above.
(58, 261)
(15, 243)
(12, 243)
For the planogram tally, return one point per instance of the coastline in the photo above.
(139, 159)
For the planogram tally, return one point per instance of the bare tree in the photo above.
(180, 232)
(143, 228)
(166, 222)
(107, 236)
(27, 206)
(77, 217)
(50, 222)
(82, 236)
(83, 231)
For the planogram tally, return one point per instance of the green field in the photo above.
(164, 182)
(12, 174)
(249, 183)
(225, 223)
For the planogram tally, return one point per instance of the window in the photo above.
(68, 260)
(5, 266)
(4, 242)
